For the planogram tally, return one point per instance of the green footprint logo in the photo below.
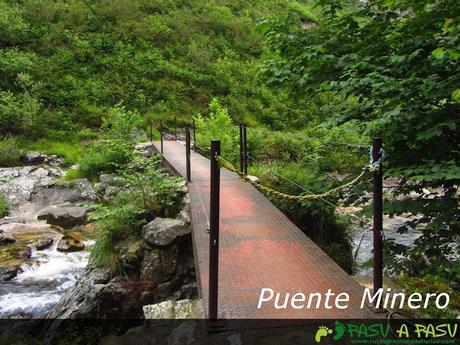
(339, 330)
(322, 332)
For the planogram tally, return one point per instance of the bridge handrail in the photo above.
(228, 165)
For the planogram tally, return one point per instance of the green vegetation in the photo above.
(289, 161)
(395, 66)
(79, 78)
(71, 151)
(146, 193)
(64, 64)
(9, 151)
(3, 206)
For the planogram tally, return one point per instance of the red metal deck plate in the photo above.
(259, 248)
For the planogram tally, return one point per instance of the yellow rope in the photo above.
(228, 165)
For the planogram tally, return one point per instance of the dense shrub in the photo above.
(218, 125)
(9, 151)
(148, 193)
(114, 150)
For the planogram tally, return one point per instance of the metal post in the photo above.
(194, 131)
(187, 152)
(245, 145)
(241, 149)
(378, 215)
(214, 231)
(161, 138)
(175, 128)
(151, 130)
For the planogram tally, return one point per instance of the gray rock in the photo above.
(8, 273)
(163, 231)
(183, 309)
(54, 160)
(86, 189)
(69, 244)
(145, 145)
(184, 333)
(141, 335)
(111, 191)
(189, 290)
(253, 179)
(107, 179)
(43, 243)
(6, 239)
(144, 153)
(66, 217)
(184, 214)
(159, 264)
(33, 157)
(91, 299)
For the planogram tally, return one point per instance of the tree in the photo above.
(399, 61)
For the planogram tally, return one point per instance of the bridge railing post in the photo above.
(214, 232)
(175, 128)
(241, 149)
(161, 139)
(187, 153)
(245, 148)
(377, 214)
(194, 130)
(151, 130)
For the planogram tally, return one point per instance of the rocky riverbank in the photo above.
(46, 241)
(162, 269)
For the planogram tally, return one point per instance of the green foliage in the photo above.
(147, 193)
(86, 57)
(20, 112)
(3, 206)
(160, 193)
(218, 126)
(70, 150)
(105, 156)
(396, 65)
(425, 285)
(118, 219)
(9, 151)
(115, 149)
(13, 27)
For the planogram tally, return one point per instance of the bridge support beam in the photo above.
(378, 215)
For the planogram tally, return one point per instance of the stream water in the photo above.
(45, 277)
(362, 238)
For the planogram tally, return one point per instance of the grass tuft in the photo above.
(3, 206)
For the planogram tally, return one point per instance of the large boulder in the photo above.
(86, 189)
(98, 296)
(66, 217)
(159, 264)
(163, 231)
